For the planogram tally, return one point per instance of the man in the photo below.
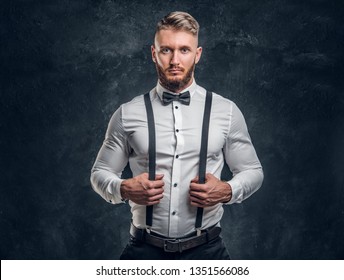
(175, 214)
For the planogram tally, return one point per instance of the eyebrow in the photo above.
(181, 47)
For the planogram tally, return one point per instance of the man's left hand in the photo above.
(214, 191)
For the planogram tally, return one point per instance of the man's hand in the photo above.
(143, 191)
(214, 191)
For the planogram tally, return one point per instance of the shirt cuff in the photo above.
(236, 192)
(114, 191)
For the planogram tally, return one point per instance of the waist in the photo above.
(179, 225)
(175, 244)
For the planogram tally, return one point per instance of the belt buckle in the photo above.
(172, 242)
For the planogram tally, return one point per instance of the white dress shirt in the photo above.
(178, 139)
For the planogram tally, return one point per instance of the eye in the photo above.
(185, 50)
(165, 50)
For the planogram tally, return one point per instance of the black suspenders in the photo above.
(151, 153)
(203, 152)
(202, 155)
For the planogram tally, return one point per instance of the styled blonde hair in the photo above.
(179, 21)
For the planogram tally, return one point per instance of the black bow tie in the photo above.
(183, 98)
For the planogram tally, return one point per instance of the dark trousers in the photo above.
(213, 250)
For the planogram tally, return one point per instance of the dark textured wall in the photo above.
(67, 65)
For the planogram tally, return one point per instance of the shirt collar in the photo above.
(160, 89)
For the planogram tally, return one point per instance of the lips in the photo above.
(175, 70)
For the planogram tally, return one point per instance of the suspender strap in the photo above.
(203, 152)
(151, 153)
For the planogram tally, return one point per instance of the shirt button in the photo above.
(175, 184)
(176, 107)
(174, 212)
(177, 156)
(177, 130)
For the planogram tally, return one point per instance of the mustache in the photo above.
(175, 68)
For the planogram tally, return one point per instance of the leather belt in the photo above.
(175, 244)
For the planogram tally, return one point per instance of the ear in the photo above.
(198, 54)
(153, 53)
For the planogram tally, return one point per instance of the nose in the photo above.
(174, 58)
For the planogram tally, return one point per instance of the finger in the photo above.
(151, 184)
(154, 184)
(146, 202)
(152, 202)
(144, 186)
(158, 184)
(155, 198)
(196, 202)
(159, 176)
(197, 195)
(202, 202)
(147, 199)
(148, 185)
(197, 187)
(156, 191)
(195, 180)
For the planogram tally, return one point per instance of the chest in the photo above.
(178, 127)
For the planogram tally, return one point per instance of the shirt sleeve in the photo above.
(111, 160)
(242, 159)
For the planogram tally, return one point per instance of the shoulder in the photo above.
(223, 104)
(133, 107)
(136, 101)
(135, 110)
(218, 99)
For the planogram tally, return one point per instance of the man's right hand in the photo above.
(143, 191)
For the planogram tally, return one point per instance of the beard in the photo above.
(174, 84)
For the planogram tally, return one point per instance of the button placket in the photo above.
(176, 169)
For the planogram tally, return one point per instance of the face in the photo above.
(175, 54)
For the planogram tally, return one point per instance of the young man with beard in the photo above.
(176, 139)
